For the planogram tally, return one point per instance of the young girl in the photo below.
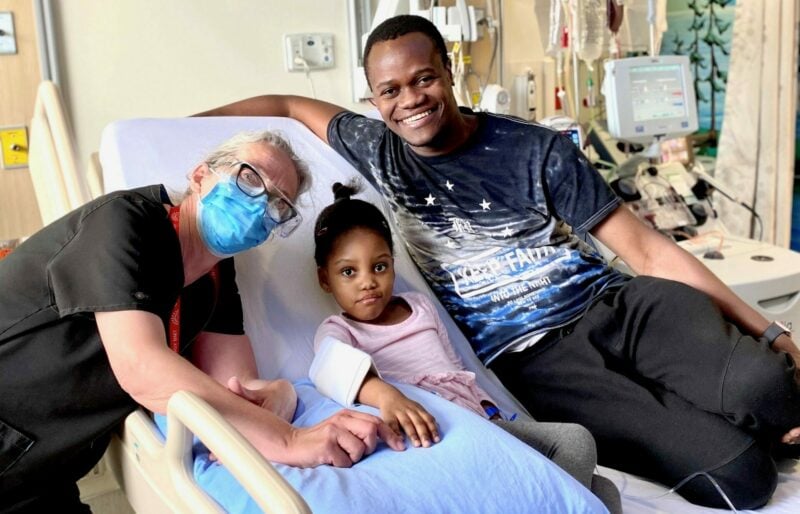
(408, 342)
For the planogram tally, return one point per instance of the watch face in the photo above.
(784, 327)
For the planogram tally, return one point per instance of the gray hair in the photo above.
(228, 149)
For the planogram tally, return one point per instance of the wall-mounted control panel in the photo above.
(306, 52)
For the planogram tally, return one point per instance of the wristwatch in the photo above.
(774, 331)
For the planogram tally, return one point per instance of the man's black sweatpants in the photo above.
(668, 388)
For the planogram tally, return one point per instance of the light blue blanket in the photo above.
(477, 467)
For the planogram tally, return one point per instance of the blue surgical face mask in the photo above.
(229, 221)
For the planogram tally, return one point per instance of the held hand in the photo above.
(792, 436)
(342, 440)
(277, 396)
(400, 412)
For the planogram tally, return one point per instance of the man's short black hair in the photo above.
(401, 25)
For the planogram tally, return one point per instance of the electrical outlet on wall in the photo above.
(310, 51)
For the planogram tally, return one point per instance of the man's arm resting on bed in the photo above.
(150, 372)
(314, 114)
(649, 252)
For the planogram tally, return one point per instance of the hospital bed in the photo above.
(282, 307)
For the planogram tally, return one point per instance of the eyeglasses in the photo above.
(279, 208)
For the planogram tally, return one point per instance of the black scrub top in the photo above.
(58, 393)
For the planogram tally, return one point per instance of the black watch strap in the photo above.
(774, 331)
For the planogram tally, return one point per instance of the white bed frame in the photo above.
(157, 475)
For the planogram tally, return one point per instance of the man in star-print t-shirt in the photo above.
(481, 229)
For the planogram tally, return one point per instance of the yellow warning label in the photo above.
(14, 147)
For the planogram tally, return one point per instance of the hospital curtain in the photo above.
(755, 157)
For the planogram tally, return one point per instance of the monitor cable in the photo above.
(705, 183)
(681, 484)
(302, 62)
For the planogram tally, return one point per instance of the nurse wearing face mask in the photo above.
(129, 299)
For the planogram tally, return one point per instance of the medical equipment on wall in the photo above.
(577, 32)
(523, 96)
(496, 99)
(309, 52)
(459, 23)
(458, 63)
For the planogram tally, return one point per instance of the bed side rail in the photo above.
(58, 186)
(187, 414)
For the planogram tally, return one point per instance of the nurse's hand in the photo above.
(341, 440)
(277, 396)
(792, 436)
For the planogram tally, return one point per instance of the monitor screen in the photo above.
(566, 127)
(649, 98)
(575, 135)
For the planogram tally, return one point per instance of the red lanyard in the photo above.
(175, 317)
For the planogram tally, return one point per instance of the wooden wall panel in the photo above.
(19, 76)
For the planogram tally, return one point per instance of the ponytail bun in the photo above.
(345, 191)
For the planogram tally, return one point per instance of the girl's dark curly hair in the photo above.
(344, 215)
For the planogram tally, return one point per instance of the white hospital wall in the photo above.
(155, 58)
(142, 58)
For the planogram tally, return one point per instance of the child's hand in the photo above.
(401, 413)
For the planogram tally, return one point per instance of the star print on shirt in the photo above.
(449, 185)
(507, 232)
(486, 205)
(430, 199)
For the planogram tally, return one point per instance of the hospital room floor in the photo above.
(114, 502)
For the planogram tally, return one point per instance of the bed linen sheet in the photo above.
(477, 467)
(282, 301)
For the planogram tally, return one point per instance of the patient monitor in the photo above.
(649, 98)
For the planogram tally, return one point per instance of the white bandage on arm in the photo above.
(339, 370)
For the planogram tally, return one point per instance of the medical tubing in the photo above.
(494, 37)
(700, 171)
(554, 34)
(299, 60)
(758, 221)
(682, 483)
